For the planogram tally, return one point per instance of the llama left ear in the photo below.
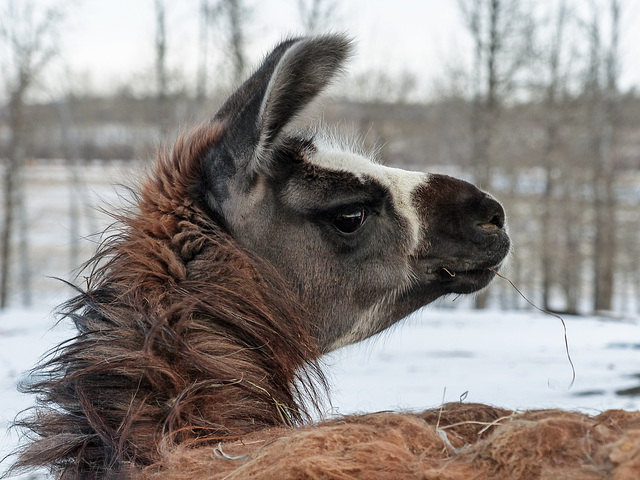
(288, 80)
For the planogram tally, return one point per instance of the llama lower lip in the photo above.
(453, 273)
(465, 281)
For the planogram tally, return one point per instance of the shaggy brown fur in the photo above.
(184, 337)
(459, 441)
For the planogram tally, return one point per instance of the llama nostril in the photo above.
(495, 222)
(498, 220)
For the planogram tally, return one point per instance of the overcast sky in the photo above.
(112, 40)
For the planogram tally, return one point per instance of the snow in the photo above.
(25, 336)
(515, 360)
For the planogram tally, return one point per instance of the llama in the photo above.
(256, 246)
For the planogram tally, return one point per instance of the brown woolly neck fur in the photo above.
(184, 337)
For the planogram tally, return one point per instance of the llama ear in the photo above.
(288, 80)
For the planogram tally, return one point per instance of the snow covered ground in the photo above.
(510, 359)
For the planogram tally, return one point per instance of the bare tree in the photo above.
(230, 19)
(380, 87)
(78, 192)
(603, 109)
(28, 37)
(207, 14)
(552, 123)
(161, 71)
(317, 15)
(236, 13)
(502, 33)
(203, 50)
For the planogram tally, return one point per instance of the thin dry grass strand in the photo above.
(487, 425)
(564, 325)
(444, 392)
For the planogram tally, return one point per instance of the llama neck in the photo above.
(218, 342)
(183, 338)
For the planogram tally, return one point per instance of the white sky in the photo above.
(111, 41)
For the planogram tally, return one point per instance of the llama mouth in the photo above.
(466, 280)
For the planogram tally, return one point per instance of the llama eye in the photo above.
(349, 222)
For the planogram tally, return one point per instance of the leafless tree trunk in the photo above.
(501, 31)
(12, 181)
(162, 76)
(28, 36)
(24, 259)
(78, 194)
(603, 113)
(549, 162)
(572, 234)
(317, 15)
(484, 107)
(489, 28)
(203, 50)
(237, 14)
(636, 284)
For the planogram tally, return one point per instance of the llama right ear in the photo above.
(288, 80)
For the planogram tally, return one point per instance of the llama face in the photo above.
(363, 245)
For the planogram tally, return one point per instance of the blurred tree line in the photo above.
(537, 117)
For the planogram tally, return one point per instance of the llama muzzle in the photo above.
(467, 233)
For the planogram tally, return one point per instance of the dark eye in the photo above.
(349, 222)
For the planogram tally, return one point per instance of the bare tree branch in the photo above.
(28, 39)
(237, 14)
(317, 15)
(161, 71)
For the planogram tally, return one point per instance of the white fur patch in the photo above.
(400, 183)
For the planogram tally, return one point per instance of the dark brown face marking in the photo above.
(316, 189)
(293, 150)
(465, 229)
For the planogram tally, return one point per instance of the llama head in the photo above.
(363, 245)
